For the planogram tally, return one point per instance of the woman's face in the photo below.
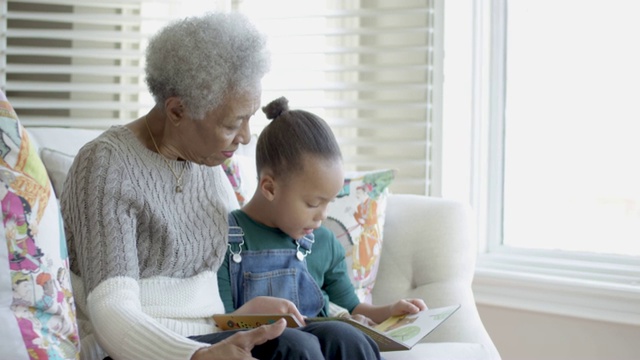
(215, 138)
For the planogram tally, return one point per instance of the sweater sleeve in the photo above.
(100, 208)
(126, 332)
(224, 285)
(337, 284)
(224, 279)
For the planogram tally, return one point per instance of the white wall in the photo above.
(524, 335)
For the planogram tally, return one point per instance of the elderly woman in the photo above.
(145, 208)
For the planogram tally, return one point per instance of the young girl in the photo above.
(277, 245)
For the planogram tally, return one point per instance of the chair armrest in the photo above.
(425, 240)
(428, 253)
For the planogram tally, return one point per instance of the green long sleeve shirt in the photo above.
(326, 262)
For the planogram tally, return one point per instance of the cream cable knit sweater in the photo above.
(145, 256)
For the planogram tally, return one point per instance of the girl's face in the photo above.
(300, 203)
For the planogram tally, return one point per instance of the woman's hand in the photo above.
(238, 346)
(407, 306)
(270, 305)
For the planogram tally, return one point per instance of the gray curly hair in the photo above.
(202, 58)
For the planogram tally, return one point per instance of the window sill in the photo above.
(569, 287)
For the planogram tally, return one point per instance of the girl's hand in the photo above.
(407, 306)
(270, 305)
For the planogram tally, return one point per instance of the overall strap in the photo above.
(236, 235)
(304, 245)
(306, 242)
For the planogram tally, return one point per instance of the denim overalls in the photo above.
(275, 272)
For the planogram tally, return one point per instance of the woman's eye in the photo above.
(313, 205)
(235, 125)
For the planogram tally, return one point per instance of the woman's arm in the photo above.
(100, 205)
(126, 332)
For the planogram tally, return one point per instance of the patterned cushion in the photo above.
(37, 310)
(357, 219)
(241, 171)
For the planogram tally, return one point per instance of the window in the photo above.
(72, 61)
(571, 128)
(558, 192)
(371, 69)
(80, 62)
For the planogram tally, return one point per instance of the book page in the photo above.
(385, 343)
(410, 329)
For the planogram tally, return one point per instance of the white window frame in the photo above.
(595, 287)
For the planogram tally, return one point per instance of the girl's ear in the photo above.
(268, 186)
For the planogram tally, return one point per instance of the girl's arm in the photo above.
(379, 313)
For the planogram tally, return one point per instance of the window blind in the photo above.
(78, 63)
(71, 62)
(367, 68)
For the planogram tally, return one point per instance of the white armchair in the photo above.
(427, 253)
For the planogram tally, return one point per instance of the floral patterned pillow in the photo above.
(37, 310)
(241, 172)
(357, 217)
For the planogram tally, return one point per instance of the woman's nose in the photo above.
(244, 134)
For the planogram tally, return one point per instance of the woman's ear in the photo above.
(175, 110)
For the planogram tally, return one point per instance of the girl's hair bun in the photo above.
(276, 107)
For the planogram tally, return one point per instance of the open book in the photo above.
(395, 333)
